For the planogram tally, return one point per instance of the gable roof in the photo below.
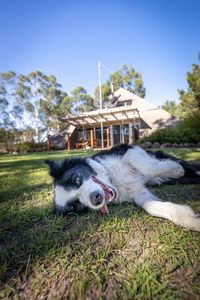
(155, 116)
(124, 95)
(151, 114)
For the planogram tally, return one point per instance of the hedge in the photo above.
(169, 135)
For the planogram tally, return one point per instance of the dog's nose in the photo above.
(96, 198)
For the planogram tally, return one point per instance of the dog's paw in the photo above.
(192, 223)
(176, 170)
(185, 216)
(156, 181)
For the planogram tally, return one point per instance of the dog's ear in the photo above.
(53, 166)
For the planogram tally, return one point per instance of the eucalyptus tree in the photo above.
(173, 108)
(4, 115)
(56, 105)
(8, 104)
(188, 109)
(82, 101)
(125, 77)
(129, 79)
(44, 101)
(31, 90)
(105, 91)
(190, 99)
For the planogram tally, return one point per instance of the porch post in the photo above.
(68, 142)
(111, 136)
(133, 134)
(120, 132)
(130, 133)
(102, 137)
(92, 138)
(108, 138)
(48, 143)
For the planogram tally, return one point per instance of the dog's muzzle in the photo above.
(97, 198)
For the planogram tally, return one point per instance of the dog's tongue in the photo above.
(105, 209)
(107, 193)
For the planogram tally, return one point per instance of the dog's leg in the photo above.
(150, 166)
(179, 214)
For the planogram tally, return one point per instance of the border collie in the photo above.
(122, 174)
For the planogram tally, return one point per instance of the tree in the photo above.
(129, 79)
(189, 107)
(81, 100)
(125, 77)
(10, 109)
(44, 101)
(31, 105)
(31, 90)
(169, 106)
(56, 105)
(190, 99)
(4, 116)
(106, 92)
(173, 108)
(34, 101)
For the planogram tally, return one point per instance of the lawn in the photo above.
(125, 255)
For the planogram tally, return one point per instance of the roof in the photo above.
(123, 95)
(140, 103)
(154, 116)
(106, 115)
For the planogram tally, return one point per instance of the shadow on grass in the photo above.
(34, 160)
(46, 154)
(30, 234)
(22, 191)
(26, 172)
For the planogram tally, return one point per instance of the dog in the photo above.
(122, 174)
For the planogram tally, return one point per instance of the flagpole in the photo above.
(101, 104)
(100, 95)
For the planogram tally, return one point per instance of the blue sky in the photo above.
(160, 38)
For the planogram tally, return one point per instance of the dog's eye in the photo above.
(77, 179)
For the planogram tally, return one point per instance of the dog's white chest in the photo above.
(123, 176)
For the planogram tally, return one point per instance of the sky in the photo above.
(67, 38)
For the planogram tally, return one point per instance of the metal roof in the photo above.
(127, 113)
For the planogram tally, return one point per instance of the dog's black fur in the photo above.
(190, 176)
(75, 170)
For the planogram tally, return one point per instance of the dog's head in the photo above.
(80, 184)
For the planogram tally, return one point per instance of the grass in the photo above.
(125, 255)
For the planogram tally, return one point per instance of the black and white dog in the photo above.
(121, 174)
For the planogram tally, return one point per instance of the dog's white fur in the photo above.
(129, 174)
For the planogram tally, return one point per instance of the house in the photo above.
(124, 118)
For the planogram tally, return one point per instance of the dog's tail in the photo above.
(192, 169)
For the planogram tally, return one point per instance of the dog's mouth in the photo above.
(109, 192)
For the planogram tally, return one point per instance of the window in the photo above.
(125, 103)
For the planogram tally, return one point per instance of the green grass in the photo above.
(125, 255)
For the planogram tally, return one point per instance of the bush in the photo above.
(169, 135)
(31, 146)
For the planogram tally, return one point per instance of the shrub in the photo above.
(30, 146)
(169, 135)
